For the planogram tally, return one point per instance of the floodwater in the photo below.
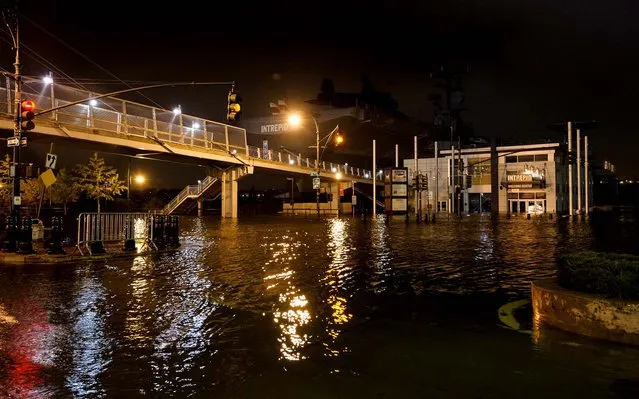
(288, 307)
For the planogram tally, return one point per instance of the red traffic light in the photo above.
(28, 106)
(26, 115)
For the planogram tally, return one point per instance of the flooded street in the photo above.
(292, 307)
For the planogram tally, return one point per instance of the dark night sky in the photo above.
(532, 62)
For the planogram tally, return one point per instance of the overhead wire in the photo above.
(86, 58)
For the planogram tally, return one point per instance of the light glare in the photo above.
(47, 80)
(295, 120)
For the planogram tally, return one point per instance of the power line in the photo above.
(85, 57)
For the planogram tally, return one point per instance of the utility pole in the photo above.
(16, 170)
(436, 207)
(570, 208)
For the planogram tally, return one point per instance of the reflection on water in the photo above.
(335, 279)
(247, 298)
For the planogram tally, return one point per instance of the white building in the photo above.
(531, 179)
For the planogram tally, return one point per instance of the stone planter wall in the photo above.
(585, 314)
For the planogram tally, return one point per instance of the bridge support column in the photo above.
(200, 206)
(229, 194)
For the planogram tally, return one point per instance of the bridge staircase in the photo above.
(184, 201)
(380, 204)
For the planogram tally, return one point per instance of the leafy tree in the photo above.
(64, 190)
(5, 181)
(98, 180)
(30, 189)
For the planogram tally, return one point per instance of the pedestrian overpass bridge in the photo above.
(145, 130)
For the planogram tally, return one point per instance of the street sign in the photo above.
(17, 200)
(52, 159)
(316, 183)
(48, 178)
(313, 174)
(23, 141)
(13, 142)
(354, 200)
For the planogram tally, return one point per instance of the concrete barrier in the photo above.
(585, 314)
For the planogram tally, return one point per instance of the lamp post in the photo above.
(296, 120)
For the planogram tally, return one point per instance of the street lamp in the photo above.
(296, 120)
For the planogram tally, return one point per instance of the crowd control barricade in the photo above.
(113, 228)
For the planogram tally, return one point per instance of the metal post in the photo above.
(317, 157)
(436, 209)
(459, 178)
(578, 171)
(397, 155)
(123, 119)
(416, 174)
(586, 182)
(54, 114)
(8, 87)
(16, 199)
(374, 181)
(569, 168)
(128, 183)
(451, 180)
(155, 122)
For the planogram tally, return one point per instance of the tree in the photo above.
(64, 190)
(98, 180)
(5, 181)
(30, 189)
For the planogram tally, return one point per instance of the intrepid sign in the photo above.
(274, 128)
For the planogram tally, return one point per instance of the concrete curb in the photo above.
(44, 258)
(586, 314)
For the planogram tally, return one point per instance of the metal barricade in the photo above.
(113, 228)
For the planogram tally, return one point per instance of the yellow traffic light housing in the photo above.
(234, 107)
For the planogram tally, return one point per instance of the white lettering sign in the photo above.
(274, 128)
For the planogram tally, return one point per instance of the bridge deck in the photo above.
(129, 124)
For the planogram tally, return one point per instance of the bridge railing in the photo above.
(131, 119)
(194, 189)
(297, 160)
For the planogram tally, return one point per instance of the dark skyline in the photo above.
(531, 64)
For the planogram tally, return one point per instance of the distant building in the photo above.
(531, 179)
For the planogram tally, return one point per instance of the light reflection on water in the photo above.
(243, 297)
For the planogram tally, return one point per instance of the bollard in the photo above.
(172, 231)
(25, 236)
(157, 231)
(10, 239)
(528, 216)
(129, 236)
(55, 246)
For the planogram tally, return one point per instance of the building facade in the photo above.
(532, 179)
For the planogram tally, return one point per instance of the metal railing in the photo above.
(130, 119)
(194, 190)
(112, 227)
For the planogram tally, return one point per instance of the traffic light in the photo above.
(339, 139)
(234, 109)
(423, 181)
(27, 115)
